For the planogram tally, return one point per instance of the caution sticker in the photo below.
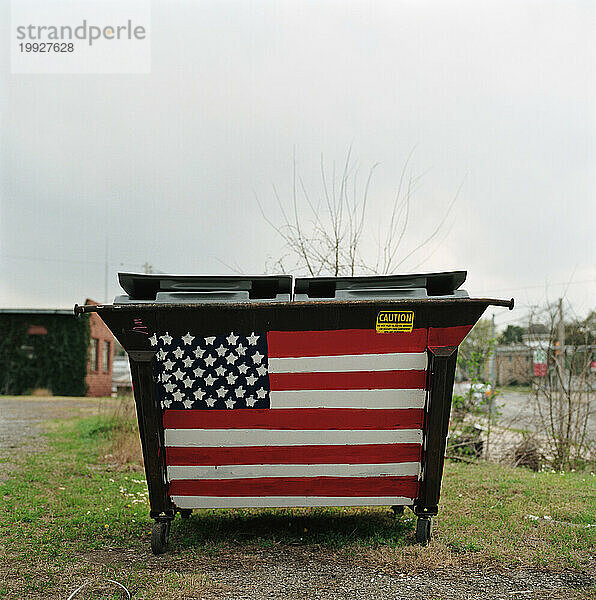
(395, 321)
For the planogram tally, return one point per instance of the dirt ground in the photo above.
(302, 574)
(294, 573)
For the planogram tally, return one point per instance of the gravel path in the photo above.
(288, 574)
(21, 416)
(318, 581)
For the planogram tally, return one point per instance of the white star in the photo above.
(221, 371)
(178, 353)
(242, 369)
(187, 403)
(232, 339)
(166, 338)
(230, 403)
(188, 338)
(221, 350)
(187, 362)
(153, 339)
(209, 380)
(210, 402)
(261, 393)
(166, 403)
(210, 360)
(231, 359)
(221, 392)
(240, 392)
(257, 357)
(187, 382)
(178, 374)
(199, 352)
(168, 364)
(165, 376)
(178, 395)
(253, 339)
(250, 401)
(210, 340)
(241, 349)
(169, 387)
(162, 354)
(198, 372)
(199, 394)
(251, 379)
(231, 378)
(262, 370)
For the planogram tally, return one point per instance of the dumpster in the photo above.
(271, 391)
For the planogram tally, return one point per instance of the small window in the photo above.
(37, 330)
(106, 357)
(94, 355)
(510, 358)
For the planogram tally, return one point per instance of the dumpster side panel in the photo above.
(132, 329)
(317, 408)
(441, 378)
(292, 418)
(151, 432)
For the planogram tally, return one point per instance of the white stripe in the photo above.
(352, 362)
(281, 501)
(348, 399)
(319, 470)
(222, 438)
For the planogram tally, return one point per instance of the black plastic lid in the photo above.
(141, 286)
(431, 284)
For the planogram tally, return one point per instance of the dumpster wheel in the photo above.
(160, 534)
(424, 527)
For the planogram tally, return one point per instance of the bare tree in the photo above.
(325, 232)
(564, 397)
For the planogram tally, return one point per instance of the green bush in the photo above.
(57, 360)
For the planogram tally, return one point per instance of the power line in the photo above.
(544, 285)
(68, 260)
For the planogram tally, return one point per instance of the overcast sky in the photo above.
(498, 97)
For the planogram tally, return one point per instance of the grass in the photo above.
(76, 511)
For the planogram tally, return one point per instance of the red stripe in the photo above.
(295, 418)
(294, 455)
(297, 486)
(351, 380)
(282, 344)
(447, 336)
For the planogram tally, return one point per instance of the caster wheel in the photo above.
(424, 527)
(159, 537)
(185, 513)
(398, 510)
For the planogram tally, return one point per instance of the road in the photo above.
(518, 410)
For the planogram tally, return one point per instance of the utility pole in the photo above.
(492, 359)
(105, 275)
(561, 343)
(148, 268)
(492, 376)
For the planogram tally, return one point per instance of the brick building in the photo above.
(101, 356)
(53, 350)
(513, 364)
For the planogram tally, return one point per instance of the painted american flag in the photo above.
(292, 418)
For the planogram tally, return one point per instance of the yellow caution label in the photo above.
(395, 321)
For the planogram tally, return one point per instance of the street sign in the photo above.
(539, 363)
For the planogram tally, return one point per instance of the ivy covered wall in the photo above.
(56, 360)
